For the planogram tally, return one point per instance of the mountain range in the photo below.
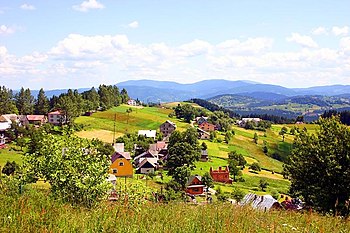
(165, 91)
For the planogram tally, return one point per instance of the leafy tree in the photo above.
(124, 96)
(10, 168)
(237, 194)
(42, 103)
(255, 138)
(233, 155)
(92, 99)
(74, 167)
(265, 149)
(207, 180)
(283, 131)
(7, 103)
(263, 184)
(255, 166)
(184, 150)
(25, 102)
(228, 136)
(234, 170)
(319, 166)
(292, 130)
(204, 146)
(180, 175)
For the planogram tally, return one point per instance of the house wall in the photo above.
(221, 175)
(146, 170)
(195, 191)
(123, 168)
(166, 128)
(56, 119)
(207, 126)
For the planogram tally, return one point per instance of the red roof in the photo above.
(35, 117)
(57, 112)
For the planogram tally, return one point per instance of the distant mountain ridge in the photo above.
(167, 91)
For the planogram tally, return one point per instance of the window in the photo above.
(115, 170)
(121, 164)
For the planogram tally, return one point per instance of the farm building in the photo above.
(265, 202)
(167, 128)
(221, 175)
(194, 185)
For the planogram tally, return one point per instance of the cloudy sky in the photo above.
(83, 43)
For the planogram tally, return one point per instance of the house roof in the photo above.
(259, 202)
(10, 117)
(146, 154)
(145, 161)
(117, 155)
(35, 117)
(148, 133)
(172, 123)
(190, 180)
(3, 119)
(57, 112)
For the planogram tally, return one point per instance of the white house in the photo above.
(5, 121)
(148, 133)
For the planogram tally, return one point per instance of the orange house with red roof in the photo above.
(221, 175)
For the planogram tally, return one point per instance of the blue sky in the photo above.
(70, 44)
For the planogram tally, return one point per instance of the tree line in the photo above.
(344, 116)
(72, 103)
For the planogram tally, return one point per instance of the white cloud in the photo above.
(340, 31)
(134, 24)
(28, 7)
(320, 31)
(6, 30)
(88, 5)
(305, 41)
(101, 58)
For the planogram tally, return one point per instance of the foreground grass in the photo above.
(35, 211)
(9, 154)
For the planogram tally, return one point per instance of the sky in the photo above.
(83, 43)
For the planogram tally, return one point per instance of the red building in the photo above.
(221, 175)
(195, 185)
(206, 126)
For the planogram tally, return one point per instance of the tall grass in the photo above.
(35, 211)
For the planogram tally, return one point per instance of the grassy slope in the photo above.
(37, 212)
(9, 154)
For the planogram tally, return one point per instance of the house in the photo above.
(121, 165)
(167, 128)
(132, 102)
(221, 175)
(244, 121)
(5, 123)
(265, 202)
(206, 126)
(194, 185)
(23, 120)
(147, 154)
(57, 117)
(146, 166)
(36, 119)
(203, 134)
(204, 156)
(201, 119)
(148, 133)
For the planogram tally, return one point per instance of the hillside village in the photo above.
(152, 161)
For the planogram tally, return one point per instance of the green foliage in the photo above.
(7, 103)
(74, 167)
(255, 166)
(180, 175)
(255, 138)
(207, 180)
(188, 112)
(42, 103)
(265, 149)
(283, 131)
(263, 184)
(237, 194)
(233, 155)
(319, 166)
(204, 146)
(184, 150)
(234, 169)
(25, 102)
(10, 168)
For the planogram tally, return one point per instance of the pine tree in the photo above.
(42, 103)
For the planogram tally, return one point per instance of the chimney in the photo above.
(219, 168)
